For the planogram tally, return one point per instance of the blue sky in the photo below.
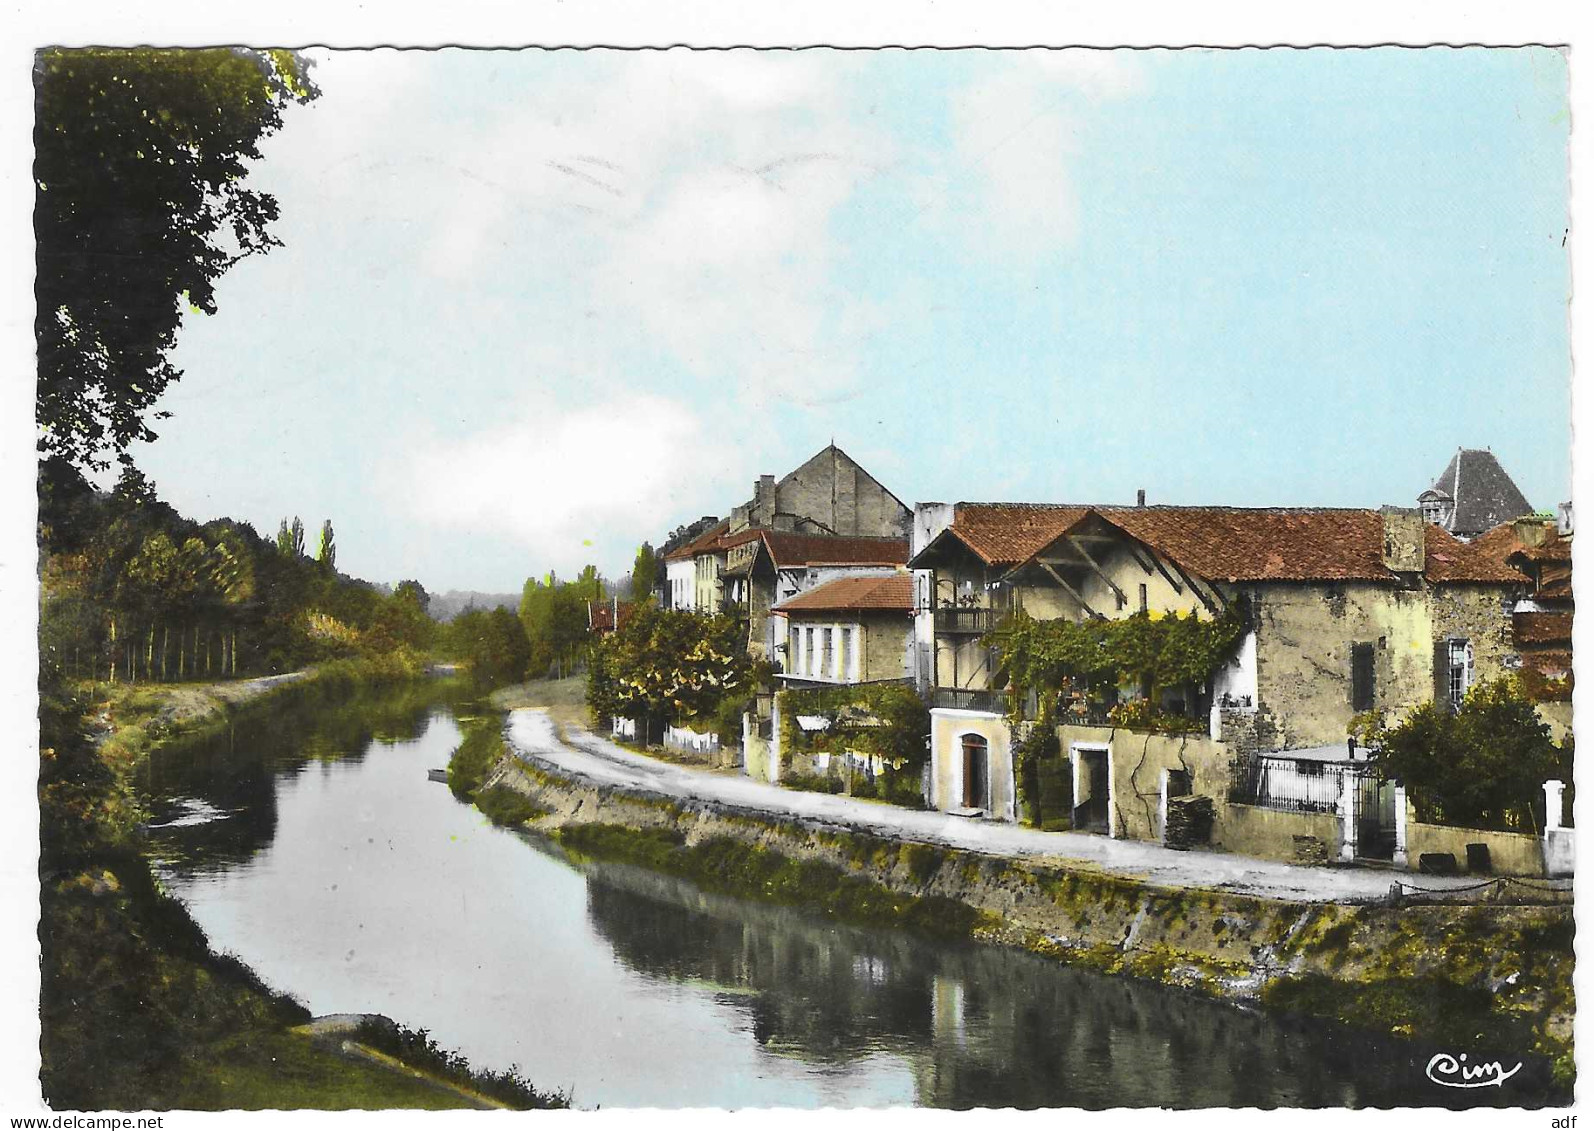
(535, 307)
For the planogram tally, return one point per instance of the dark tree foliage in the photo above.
(1483, 766)
(646, 572)
(140, 206)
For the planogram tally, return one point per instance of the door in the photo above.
(1090, 807)
(976, 773)
(1375, 816)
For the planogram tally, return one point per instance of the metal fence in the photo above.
(1296, 785)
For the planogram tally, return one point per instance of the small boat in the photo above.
(437, 775)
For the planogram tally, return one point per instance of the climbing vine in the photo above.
(1088, 661)
(884, 719)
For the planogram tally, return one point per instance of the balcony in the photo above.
(969, 699)
(970, 622)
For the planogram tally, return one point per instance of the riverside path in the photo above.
(582, 755)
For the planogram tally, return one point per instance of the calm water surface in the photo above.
(311, 844)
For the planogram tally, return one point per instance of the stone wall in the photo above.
(1481, 614)
(1510, 854)
(1136, 761)
(886, 643)
(1253, 830)
(832, 489)
(1304, 638)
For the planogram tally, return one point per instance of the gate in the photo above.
(1375, 816)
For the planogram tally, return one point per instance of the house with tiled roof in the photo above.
(1344, 611)
(763, 567)
(692, 568)
(856, 629)
(1541, 549)
(1472, 494)
(829, 509)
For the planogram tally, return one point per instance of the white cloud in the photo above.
(1015, 138)
(562, 483)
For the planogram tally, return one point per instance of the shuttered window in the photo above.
(1362, 691)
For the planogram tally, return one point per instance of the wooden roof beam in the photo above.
(1212, 607)
(1099, 572)
(1069, 589)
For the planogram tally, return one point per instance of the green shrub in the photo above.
(503, 806)
(416, 1047)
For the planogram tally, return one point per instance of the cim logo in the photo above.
(1455, 1072)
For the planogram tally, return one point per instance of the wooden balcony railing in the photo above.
(973, 622)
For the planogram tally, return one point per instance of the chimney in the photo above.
(1404, 539)
(764, 500)
(1531, 532)
(1140, 497)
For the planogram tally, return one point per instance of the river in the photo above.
(310, 843)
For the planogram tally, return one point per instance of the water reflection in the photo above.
(987, 1027)
(311, 844)
(213, 797)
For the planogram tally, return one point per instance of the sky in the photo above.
(535, 307)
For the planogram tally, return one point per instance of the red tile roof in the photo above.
(1502, 549)
(788, 549)
(1238, 544)
(1005, 533)
(702, 543)
(1253, 544)
(1452, 560)
(890, 594)
(603, 615)
(1542, 628)
(822, 549)
(1553, 665)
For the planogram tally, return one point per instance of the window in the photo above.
(1362, 689)
(1145, 601)
(1460, 671)
(1453, 672)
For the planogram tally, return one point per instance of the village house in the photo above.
(827, 519)
(830, 496)
(1345, 611)
(1541, 622)
(851, 630)
(680, 570)
(854, 629)
(763, 567)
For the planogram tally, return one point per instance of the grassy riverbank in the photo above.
(137, 1010)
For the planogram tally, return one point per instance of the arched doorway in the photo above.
(976, 772)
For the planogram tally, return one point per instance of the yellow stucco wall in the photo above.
(1253, 830)
(1510, 854)
(1116, 562)
(1137, 760)
(947, 729)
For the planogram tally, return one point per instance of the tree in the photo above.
(1483, 765)
(414, 592)
(296, 538)
(140, 159)
(644, 572)
(284, 539)
(671, 664)
(326, 552)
